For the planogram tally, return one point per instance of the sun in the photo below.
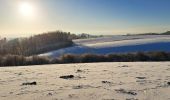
(26, 9)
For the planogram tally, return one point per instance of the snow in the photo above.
(115, 44)
(91, 81)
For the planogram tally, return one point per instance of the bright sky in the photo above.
(27, 17)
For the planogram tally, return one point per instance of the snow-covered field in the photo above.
(93, 81)
(116, 44)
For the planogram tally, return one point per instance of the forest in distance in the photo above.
(40, 43)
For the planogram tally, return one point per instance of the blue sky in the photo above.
(89, 16)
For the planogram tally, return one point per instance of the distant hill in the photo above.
(165, 33)
(115, 44)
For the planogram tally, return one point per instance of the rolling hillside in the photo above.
(116, 44)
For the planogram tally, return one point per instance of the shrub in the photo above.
(158, 56)
(13, 60)
(141, 56)
(90, 58)
(68, 58)
(36, 60)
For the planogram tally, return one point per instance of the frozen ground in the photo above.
(93, 81)
(116, 44)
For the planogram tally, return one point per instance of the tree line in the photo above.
(19, 60)
(36, 44)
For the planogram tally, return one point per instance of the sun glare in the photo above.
(26, 9)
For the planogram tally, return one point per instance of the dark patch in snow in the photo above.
(67, 77)
(141, 77)
(126, 92)
(106, 82)
(168, 83)
(30, 83)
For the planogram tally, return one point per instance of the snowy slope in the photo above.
(92, 81)
(116, 44)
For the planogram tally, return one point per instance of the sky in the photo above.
(29, 17)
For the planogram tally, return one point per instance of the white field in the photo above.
(115, 44)
(135, 81)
